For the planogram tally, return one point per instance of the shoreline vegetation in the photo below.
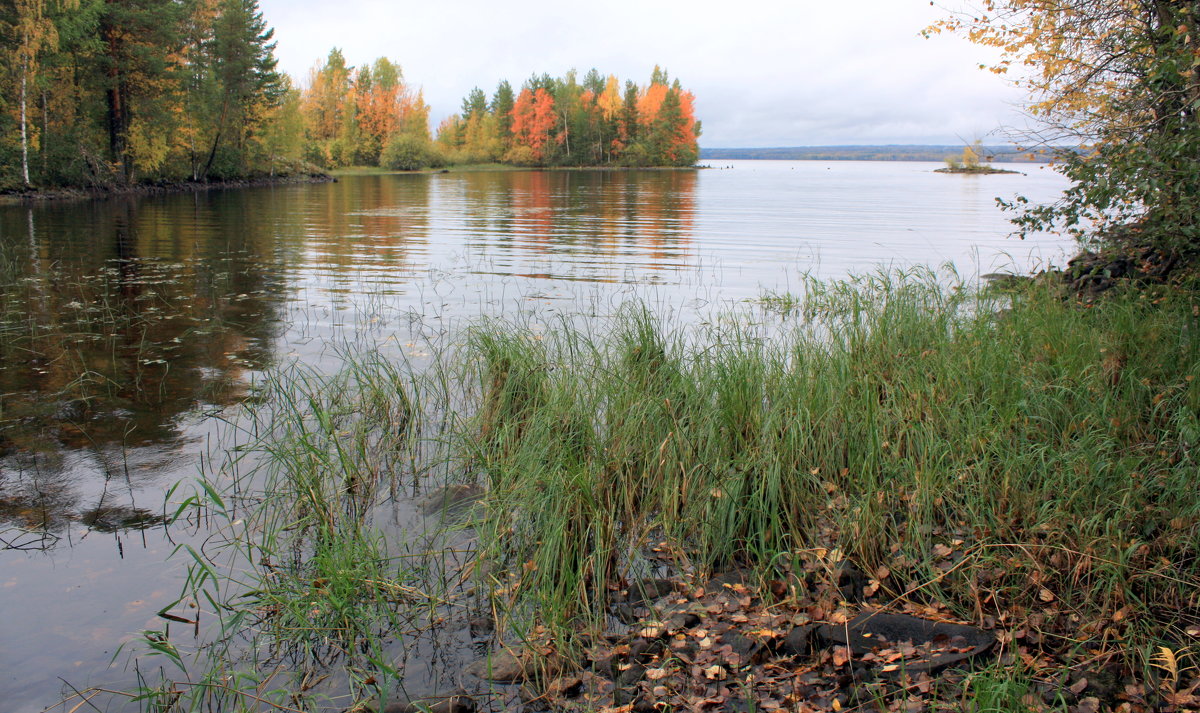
(37, 194)
(178, 93)
(642, 515)
(974, 160)
(974, 170)
(899, 448)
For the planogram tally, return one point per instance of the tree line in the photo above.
(102, 92)
(119, 92)
(567, 122)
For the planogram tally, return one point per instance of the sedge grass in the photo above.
(896, 417)
(1021, 458)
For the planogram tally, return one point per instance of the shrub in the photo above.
(405, 152)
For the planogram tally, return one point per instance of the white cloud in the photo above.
(764, 73)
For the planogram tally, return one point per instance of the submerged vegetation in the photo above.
(1020, 460)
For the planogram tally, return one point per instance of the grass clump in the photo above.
(1036, 466)
(1016, 459)
(299, 572)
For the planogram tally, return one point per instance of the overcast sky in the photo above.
(765, 73)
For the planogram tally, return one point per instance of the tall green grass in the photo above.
(1050, 445)
(886, 420)
(299, 571)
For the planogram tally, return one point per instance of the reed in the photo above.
(889, 418)
(1011, 455)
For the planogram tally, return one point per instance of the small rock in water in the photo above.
(481, 627)
(450, 499)
(458, 703)
(502, 666)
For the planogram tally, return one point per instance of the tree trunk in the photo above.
(212, 154)
(24, 130)
(45, 133)
(118, 112)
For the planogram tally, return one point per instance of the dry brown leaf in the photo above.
(841, 655)
(656, 674)
(940, 550)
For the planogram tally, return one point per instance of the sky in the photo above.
(765, 73)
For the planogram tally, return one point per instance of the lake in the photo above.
(130, 328)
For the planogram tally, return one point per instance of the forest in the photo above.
(103, 93)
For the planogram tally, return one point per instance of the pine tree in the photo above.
(501, 107)
(248, 84)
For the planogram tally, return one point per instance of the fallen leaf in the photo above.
(656, 674)
(841, 655)
(940, 550)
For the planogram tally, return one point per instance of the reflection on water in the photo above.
(116, 322)
(595, 218)
(128, 327)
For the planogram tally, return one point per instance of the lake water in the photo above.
(129, 326)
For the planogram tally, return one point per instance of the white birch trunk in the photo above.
(24, 131)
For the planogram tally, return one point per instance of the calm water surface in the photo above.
(128, 326)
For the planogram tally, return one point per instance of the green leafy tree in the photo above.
(247, 82)
(140, 40)
(1117, 85)
(474, 104)
(501, 107)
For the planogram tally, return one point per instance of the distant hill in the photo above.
(996, 154)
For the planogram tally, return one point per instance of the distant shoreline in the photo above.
(38, 195)
(993, 154)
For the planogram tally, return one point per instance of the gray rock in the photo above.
(799, 641)
(450, 500)
(872, 630)
(501, 666)
(457, 703)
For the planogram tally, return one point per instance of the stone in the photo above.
(501, 666)
(565, 687)
(872, 630)
(735, 576)
(799, 641)
(648, 590)
(850, 582)
(457, 703)
(481, 627)
(450, 500)
(680, 621)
